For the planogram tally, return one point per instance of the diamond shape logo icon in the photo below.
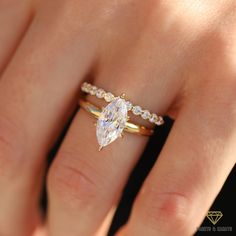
(214, 216)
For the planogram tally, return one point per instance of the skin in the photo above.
(172, 57)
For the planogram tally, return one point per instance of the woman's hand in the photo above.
(174, 57)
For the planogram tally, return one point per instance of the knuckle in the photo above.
(168, 209)
(74, 184)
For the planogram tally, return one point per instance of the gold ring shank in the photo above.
(129, 127)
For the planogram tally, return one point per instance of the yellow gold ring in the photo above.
(113, 119)
(129, 127)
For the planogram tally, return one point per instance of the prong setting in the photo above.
(123, 95)
(109, 97)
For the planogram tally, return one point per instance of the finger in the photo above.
(37, 94)
(83, 183)
(41, 231)
(195, 162)
(15, 18)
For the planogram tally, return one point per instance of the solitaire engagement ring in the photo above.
(113, 119)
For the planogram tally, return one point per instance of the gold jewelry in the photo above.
(129, 127)
(136, 110)
(114, 119)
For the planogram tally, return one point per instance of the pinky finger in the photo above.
(189, 173)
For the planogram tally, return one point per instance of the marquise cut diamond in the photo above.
(111, 122)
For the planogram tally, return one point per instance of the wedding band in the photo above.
(113, 119)
(135, 109)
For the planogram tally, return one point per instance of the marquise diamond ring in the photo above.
(113, 119)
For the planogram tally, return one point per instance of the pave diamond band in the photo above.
(109, 97)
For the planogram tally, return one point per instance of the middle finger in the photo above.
(36, 98)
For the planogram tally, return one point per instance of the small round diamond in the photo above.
(146, 114)
(159, 121)
(153, 118)
(84, 87)
(108, 97)
(88, 88)
(137, 110)
(129, 105)
(93, 90)
(100, 93)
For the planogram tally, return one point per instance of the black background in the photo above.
(225, 201)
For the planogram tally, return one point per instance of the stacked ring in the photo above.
(113, 119)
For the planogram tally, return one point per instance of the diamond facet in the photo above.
(159, 121)
(85, 87)
(146, 114)
(100, 93)
(111, 122)
(153, 118)
(93, 90)
(129, 105)
(137, 110)
(108, 97)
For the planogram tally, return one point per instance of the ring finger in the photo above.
(83, 183)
